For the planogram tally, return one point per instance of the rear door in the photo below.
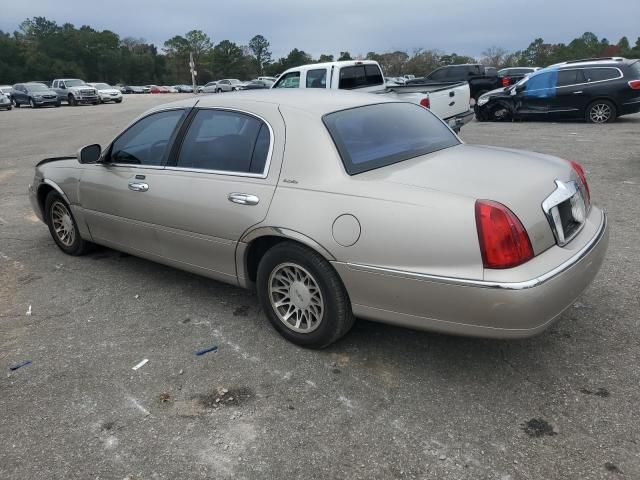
(120, 196)
(219, 184)
(571, 94)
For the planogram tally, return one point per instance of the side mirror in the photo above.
(89, 154)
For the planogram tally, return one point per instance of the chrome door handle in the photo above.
(138, 186)
(576, 93)
(243, 198)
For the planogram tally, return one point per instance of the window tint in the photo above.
(375, 136)
(225, 141)
(438, 74)
(288, 80)
(598, 74)
(635, 69)
(360, 76)
(570, 77)
(317, 78)
(147, 142)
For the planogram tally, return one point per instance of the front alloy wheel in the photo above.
(62, 225)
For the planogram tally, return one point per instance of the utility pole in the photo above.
(194, 74)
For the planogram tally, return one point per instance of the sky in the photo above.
(330, 26)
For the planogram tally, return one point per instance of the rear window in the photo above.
(375, 136)
(599, 74)
(360, 76)
(570, 77)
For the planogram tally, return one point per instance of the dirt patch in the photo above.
(600, 392)
(612, 468)
(241, 311)
(537, 427)
(202, 403)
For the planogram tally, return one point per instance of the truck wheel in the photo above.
(601, 111)
(303, 296)
(72, 100)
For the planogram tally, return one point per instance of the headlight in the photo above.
(482, 100)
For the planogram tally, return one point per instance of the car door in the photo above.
(538, 93)
(119, 196)
(571, 94)
(218, 186)
(18, 94)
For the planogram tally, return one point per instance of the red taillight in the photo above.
(505, 81)
(504, 242)
(425, 102)
(635, 84)
(583, 178)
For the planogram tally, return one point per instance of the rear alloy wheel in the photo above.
(63, 227)
(601, 111)
(303, 296)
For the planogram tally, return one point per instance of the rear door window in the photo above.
(317, 78)
(288, 80)
(226, 141)
(570, 77)
(599, 74)
(360, 76)
(375, 136)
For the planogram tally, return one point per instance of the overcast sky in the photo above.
(329, 26)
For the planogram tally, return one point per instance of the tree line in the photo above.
(41, 50)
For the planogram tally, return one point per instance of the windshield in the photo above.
(37, 87)
(74, 83)
(375, 136)
(102, 86)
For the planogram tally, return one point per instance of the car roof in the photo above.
(315, 101)
(594, 62)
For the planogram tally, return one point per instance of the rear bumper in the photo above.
(496, 309)
(458, 121)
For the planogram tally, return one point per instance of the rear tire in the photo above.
(601, 111)
(63, 226)
(303, 296)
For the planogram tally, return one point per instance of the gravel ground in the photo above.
(382, 403)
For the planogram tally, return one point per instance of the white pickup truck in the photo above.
(448, 100)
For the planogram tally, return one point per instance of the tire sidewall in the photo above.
(78, 244)
(325, 333)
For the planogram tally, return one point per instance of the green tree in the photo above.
(228, 60)
(344, 56)
(325, 58)
(259, 47)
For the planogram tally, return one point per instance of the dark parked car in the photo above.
(258, 85)
(34, 94)
(125, 89)
(511, 75)
(481, 79)
(598, 90)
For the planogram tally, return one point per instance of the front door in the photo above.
(120, 196)
(538, 93)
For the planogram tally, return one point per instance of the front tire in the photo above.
(601, 111)
(33, 103)
(303, 296)
(15, 103)
(63, 227)
(72, 101)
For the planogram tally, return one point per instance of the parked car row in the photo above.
(72, 91)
